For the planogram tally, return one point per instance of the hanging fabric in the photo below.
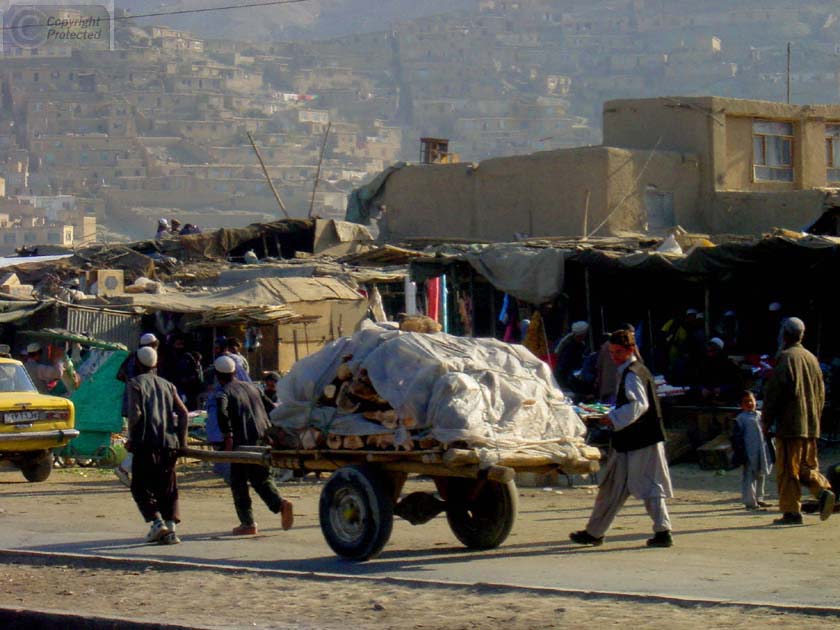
(433, 298)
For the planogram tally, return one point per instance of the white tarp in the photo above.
(482, 391)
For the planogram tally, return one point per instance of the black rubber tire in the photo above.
(37, 467)
(356, 510)
(485, 522)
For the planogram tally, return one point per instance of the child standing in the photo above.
(751, 448)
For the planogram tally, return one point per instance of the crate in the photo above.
(717, 454)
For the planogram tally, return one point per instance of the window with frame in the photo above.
(772, 151)
(832, 154)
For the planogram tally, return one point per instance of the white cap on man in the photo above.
(147, 356)
(717, 341)
(33, 347)
(774, 307)
(691, 311)
(580, 328)
(224, 365)
(148, 339)
(729, 313)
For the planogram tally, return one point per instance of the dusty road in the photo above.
(722, 554)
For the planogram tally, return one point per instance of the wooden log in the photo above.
(432, 458)
(353, 442)
(592, 453)
(381, 441)
(427, 443)
(227, 457)
(334, 441)
(501, 474)
(309, 438)
(459, 457)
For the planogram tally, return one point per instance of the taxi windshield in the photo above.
(15, 378)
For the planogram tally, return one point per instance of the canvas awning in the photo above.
(260, 301)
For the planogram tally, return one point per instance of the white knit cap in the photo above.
(774, 306)
(579, 328)
(717, 341)
(225, 365)
(147, 356)
(691, 311)
(33, 347)
(147, 339)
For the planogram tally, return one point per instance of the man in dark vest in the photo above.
(637, 465)
(155, 438)
(240, 408)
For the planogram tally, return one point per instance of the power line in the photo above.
(118, 18)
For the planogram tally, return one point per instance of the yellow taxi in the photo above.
(31, 424)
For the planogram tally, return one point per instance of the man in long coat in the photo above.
(793, 402)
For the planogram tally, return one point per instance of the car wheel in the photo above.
(38, 467)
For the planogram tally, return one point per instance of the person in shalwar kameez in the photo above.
(637, 465)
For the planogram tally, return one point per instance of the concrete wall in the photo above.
(543, 194)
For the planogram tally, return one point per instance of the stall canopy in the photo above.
(14, 310)
(531, 274)
(535, 274)
(259, 301)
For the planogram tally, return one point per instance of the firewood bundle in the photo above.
(353, 393)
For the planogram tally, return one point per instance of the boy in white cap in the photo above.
(42, 374)
(154, 439)
(240, 408)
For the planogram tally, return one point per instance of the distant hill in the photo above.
(314, 19)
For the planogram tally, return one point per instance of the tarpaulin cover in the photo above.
(360, 200)
(481, 391)
(531, 274)
(15, 310)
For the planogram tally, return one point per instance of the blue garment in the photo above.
(241, 367)
(211, 425)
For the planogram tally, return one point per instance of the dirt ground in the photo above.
(84, 499)
(224, 600)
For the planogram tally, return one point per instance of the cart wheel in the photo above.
(482, 521)
(38, 467)
(356, 512)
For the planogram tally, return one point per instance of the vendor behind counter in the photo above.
(718, 379)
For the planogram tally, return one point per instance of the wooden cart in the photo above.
(358, 503)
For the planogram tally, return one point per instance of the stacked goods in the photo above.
(390, 390)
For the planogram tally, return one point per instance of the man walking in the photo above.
(793, 403)
(154, 439)
(240, 409)
(637, 465)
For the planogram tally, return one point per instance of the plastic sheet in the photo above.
(480, 391)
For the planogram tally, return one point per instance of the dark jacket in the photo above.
(240, 408)
(151, 407)
(795, 394)
(647, 430)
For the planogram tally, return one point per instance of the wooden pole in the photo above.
(586, 214)
(318, 172)
(788, 72)
(267, 177)
(588, 287)
(708, 309)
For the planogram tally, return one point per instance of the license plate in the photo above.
(16, 417)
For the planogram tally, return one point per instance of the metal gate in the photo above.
(106, 325)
